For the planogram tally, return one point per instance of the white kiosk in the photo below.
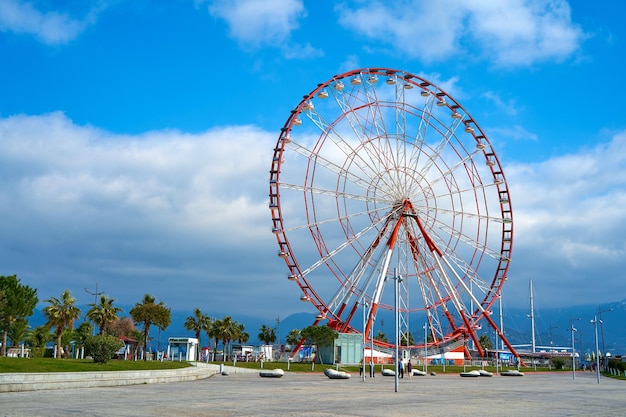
(182, 348)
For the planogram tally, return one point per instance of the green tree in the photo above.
(39, 336)
(485, 342)
(293, 337)
(381, 337)
(124, 326)
(17, 302)
(149, 313)
(216, 332)
(199, 322)
(19, 332)
(102, 347)
(406, 339)
(82, 333)
(267, 335)
(226, 330)
(242, 335)
(229, 333)
(61, 314)
(103, 313)
(319, 336)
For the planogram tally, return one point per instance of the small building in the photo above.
(129, 350)
(182, 348)
(346, 349)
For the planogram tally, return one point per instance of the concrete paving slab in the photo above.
(555, 394)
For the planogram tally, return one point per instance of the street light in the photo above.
(365, 307)
(600, 311)
(595, 324)
(95, 301)
(397, 281)
(571, 322)
(426, 347)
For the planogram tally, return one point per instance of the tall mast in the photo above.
(532, 316)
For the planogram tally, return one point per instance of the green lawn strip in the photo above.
(86, 365)
(81, 365)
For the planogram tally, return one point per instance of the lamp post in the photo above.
(595, 324)
(397, 281)
(600, 311)
(573, 329)
(551, 348)
(426, 347)
(95, 301)
(365, 307)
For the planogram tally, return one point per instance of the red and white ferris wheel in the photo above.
(377, 174)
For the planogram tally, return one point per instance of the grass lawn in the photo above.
(354, 369)
(80, 365)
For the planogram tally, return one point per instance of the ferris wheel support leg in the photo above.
(504, 339)
(472, 334)
(346, 323)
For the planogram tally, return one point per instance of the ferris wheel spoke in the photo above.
(368, 164)
(330, 166)
(469, 241)
(393, 169)
(474, 175)
(454, 213)
(339, 219)
(352, 286)
(332, 193)
(445, 140)
(327, 257)
(463, 284)
(420, 137)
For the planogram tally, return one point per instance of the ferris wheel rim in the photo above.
(296, 271)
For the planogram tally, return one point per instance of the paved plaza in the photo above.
(555, 394)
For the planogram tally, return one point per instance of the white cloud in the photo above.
(515, 132)
(166, 211)
(51, 27)
(82, 205)
(426, 30)
(254, 23)
(509, 33)
(507, 107)
(570, 222)
(521, 32)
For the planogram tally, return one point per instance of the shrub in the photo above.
(616, 364)
(102, 347)
(559, 363)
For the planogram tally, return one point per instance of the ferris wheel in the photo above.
(381, 177)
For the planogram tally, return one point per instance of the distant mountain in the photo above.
(550, 325)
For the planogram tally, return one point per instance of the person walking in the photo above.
(409, 368)
(401, 368)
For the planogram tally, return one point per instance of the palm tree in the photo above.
(39, 336)
(228, 333)
(19, 332)
(198, 322)
(104, 313)
(226, 330)
(406, 338)
(267, 335)
(485, 342)
(293, 337)
(381, 336)
(61, 314)
(216, 332)
(242, 335)
(148, 313)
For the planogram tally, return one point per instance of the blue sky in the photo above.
(136, 136)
